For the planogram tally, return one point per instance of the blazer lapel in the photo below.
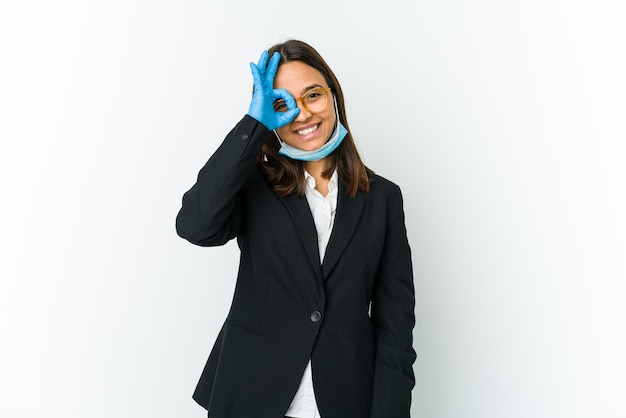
(301, 215)
(347, 218)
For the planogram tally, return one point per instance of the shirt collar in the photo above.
(332, 183)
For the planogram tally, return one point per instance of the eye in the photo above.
(280, 106)
(314, 94)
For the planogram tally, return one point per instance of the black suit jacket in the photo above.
(288, 307)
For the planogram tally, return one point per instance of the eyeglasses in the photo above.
(314, 100)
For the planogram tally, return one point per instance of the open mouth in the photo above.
(308, 131)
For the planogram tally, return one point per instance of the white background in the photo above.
(504, 122)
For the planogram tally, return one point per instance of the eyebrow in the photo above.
(312, 86)
(304, 90)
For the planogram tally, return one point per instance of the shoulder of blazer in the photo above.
(380, 184)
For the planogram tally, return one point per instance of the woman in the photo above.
(322, 317)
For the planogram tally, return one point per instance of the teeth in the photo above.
(307, 131)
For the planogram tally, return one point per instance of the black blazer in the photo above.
(288, 307)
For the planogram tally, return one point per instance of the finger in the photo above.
(262, 63)
(259, 71)
(272, 68)
(256, 76)
(293, 110)
(288, 116)
(287, 97)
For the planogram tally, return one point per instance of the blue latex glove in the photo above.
(264, 95)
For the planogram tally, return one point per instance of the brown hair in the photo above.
(286, 176)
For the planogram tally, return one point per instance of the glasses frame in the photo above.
(301, 99)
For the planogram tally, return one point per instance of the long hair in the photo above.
(285, 175)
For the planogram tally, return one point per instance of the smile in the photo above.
(308, 131)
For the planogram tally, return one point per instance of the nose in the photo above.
(304, 112)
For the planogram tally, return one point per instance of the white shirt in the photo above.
(323, 209)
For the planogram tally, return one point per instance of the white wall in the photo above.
(503, 121)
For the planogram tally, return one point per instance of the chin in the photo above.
(313, 147)
(305, 145)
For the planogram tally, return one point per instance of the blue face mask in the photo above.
(336, 137)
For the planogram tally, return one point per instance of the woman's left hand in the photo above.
(264, 95)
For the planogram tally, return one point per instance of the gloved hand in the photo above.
(264, 95)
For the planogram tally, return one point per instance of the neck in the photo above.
(316, 168)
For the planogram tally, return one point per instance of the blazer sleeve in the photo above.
(211, 211)
(393, 317)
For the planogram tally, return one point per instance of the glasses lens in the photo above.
(315, 99)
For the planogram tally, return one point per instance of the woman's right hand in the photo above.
(264, 94)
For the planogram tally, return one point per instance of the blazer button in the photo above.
(244, 137)
(316, 316)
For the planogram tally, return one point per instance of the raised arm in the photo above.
(211, 211)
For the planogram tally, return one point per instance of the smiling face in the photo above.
(308, 131)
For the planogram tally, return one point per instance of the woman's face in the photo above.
(308, 131)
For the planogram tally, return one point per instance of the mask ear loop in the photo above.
(280, 141)
(336, 114)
